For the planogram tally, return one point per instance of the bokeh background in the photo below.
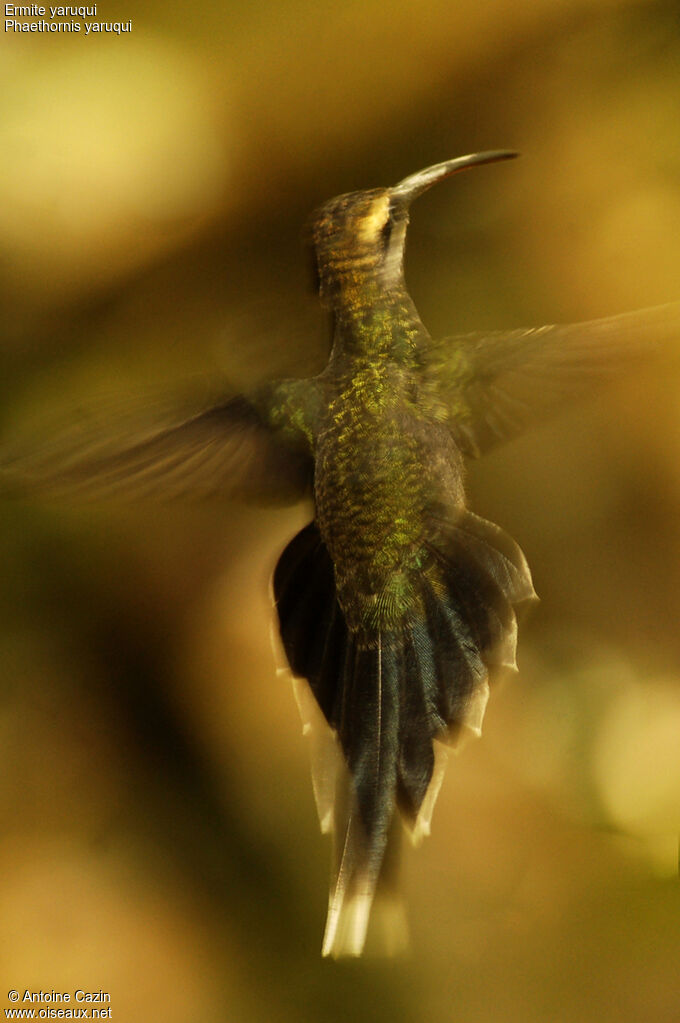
(158, 836)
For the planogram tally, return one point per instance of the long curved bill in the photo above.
(415, 184)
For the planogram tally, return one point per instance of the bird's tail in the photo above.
(388, 694)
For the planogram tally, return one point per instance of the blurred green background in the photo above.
(159, 838)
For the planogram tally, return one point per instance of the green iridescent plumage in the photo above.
(396, 604)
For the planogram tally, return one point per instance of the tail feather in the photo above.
(388, 694)
(501, 556)
(366, 719)
(357, 895)
(456, 652)
(367, 728)
(312, 625)
(475, 596)
(420, 713)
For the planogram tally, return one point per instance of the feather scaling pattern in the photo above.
(396, 604)
(389, 695)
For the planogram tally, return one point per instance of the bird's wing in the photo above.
(235, 448)
(497, 384)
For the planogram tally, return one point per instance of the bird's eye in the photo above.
(387, 229)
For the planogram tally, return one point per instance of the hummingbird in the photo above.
(396, 605)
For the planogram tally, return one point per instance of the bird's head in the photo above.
(359, 238)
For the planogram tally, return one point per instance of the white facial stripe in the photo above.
(370, 226)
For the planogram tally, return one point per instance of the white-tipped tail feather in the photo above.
(382, 701)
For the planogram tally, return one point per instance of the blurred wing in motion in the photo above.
(499, 383)
(229, 449)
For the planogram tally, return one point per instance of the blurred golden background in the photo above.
(159, 837)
